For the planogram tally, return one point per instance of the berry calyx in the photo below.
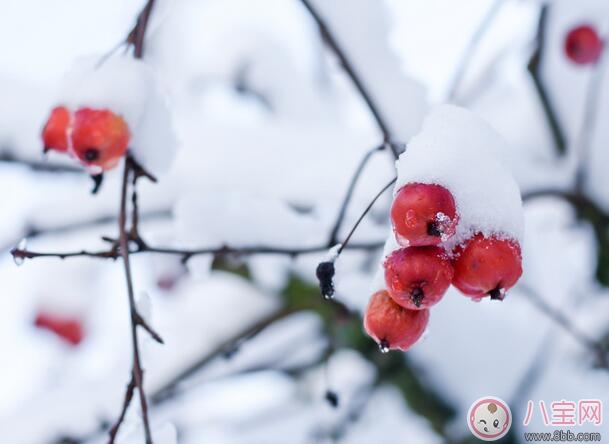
(418, 277)
(583, 45)
(99, 137)
(423, 214)
(391, 325)
(68, 329)
(55, 131)
(487, 266)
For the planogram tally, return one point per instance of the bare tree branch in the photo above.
(589, 120)
(134, 170)
(345, 243)
(534, 68)
(343, 209)
(334, 46)
(128, 397)
(472, 47)
(227, 347)
(559, 318)
(136, 319)
(579, 200)
(40, 166)
(137, 34)
(114, 253)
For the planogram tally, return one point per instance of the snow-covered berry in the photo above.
(391, 325)
(99, 138)
(487, 266)
(583, 45)
(418, 277)
(423, 214)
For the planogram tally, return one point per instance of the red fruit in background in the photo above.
(68, 329)
(583, 45)
(418, 277)
(55, 132)
(99, 137)
(487, 266)
(391, 325)
(423, 214)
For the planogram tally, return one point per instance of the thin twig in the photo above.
(128, 397)
(359, 220)
(343, 209)
(589, 120)
(334, 46)
(534, 68)
(137, 371)
(579, 200)
(137, 34)
(136, 38)
(168, 389)
(39, 166)
(33, 231)
(534, 372)
(188, 253)
(19, 253)
(245, 251)
(573, 330)
(472, 47)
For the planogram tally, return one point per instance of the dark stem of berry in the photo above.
(332, 398)
(495, 294)
(416, 296)
(433, 229)
(98, 179)
(384, 345)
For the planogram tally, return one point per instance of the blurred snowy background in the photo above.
(271, 131)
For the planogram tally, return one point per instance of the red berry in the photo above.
(391, 325)
(423, 214)
(583, 45)
(55, 132)
(99, 137)
(487, 266)
(68, 329)
(417, 277)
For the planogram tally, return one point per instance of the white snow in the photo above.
(242, 219)
(272, 166)
(134, 434)
(458, 150)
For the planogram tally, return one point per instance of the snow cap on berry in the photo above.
(128, 88)
(458, 150)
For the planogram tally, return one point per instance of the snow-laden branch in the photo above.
(332, 43)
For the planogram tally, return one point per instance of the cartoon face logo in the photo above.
(489, 418)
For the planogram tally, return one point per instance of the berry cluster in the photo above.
(418, 273)
(98, 138)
